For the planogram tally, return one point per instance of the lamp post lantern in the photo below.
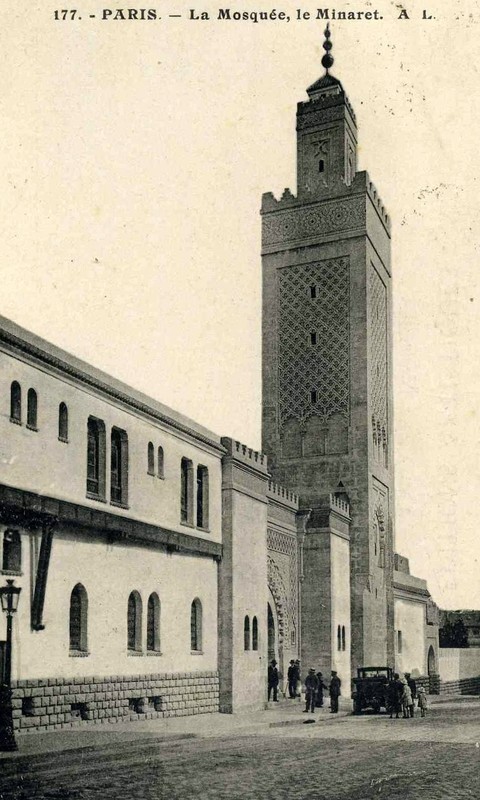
(9, 596)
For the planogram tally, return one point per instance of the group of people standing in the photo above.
(401, 696)
(314, 686)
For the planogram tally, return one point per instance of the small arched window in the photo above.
(153, 623)
(134, 622)
(78, 619)
(254, 634)
(343, 637)
(12, 551)
(321, 165)
(63, 422)
(339, 638)
(196, 626)
(160, 464)
(32, 409)
(150, 459)
(16, 403)
(246, 633)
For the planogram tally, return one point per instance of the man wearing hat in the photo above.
(273, 680)
(335, 684)
(311, 686)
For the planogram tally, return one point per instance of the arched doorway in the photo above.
(431, 662)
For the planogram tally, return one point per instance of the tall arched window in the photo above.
(32, 409)
(339, 638)
(16, 403)
(246, 633)
(186, 491)
(151, 459)
(78, 619)
(196, 626)
(343, 637)
(160, 464)
(202, 497)
(254, 634)
(63, 422)
(119, 467)
(153, 623)
(96, 458)
(134, 622)
(12, 551)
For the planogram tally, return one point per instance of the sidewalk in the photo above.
(284, 713)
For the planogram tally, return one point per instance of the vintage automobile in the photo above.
(370, 688)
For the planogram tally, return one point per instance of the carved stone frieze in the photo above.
(309, 221)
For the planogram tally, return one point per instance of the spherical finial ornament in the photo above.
(327, 60)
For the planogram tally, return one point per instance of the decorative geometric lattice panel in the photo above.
(323, 366)
(378, 350)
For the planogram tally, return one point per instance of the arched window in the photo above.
(339, 638)
(96, 458)
(78, 619)
(196, 626)
(32, 409)
(186, 491)
(202, 497)
(16, 403)
(321, 165)
(12, 551)
(63, 422)
(150, 459)
(153, 623)
(246, 633)
(119, 467)
(254, 634)
(160, 465)
(134, 622)
(343, 637)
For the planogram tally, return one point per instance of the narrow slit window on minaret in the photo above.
(313, 292)
(321, 165)
(313, 337)
(313, 396)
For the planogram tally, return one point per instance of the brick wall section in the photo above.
(461, 686)
(47, 703)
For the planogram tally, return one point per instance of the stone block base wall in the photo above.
(461, 686)
(54, 703)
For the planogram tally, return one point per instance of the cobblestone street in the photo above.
(347, 758)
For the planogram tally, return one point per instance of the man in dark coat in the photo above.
(311, 686)
(335, 684)
(273, 680)
(394, 696)
(321, 687)
(292, 679)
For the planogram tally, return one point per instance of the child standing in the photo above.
(422, 700)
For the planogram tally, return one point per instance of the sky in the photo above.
(134, 156)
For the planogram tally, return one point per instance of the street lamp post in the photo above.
(9, 596)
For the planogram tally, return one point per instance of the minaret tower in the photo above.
(327, 376)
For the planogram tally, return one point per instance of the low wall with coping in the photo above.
(53, 703)
(459, 670)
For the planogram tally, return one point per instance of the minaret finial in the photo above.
(327, 60)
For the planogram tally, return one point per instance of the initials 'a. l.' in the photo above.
(198, 15)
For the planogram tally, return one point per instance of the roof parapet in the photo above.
(244, 453)
(278, 492)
